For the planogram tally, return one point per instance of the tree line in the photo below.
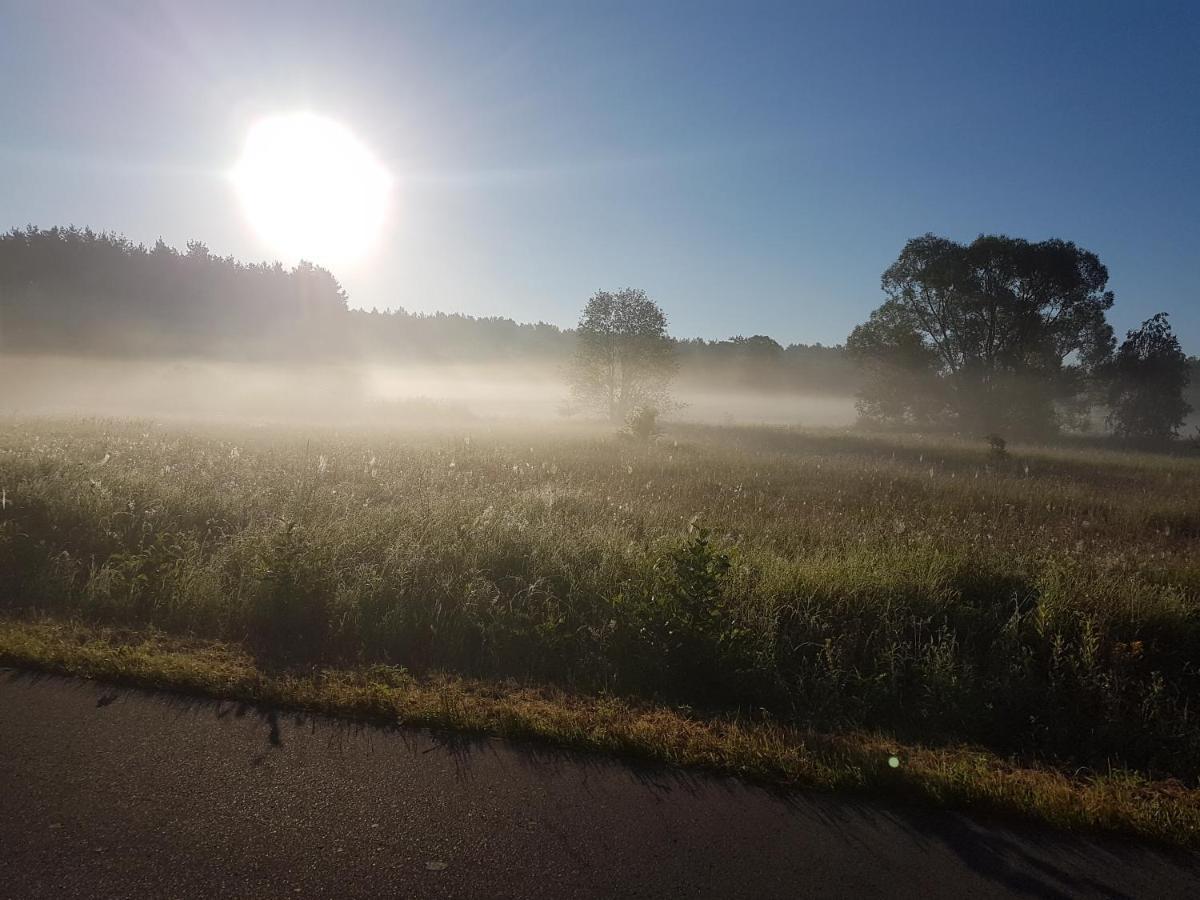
(74, 290)
(1007, 336)
(1000, 336)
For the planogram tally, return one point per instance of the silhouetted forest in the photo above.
(81, 292)
(78, 291)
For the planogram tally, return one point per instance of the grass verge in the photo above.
(951, 778)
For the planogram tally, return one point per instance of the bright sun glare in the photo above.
(311, 189)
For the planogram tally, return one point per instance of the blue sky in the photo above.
(753, 166)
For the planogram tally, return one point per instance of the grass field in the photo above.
(1042, 606)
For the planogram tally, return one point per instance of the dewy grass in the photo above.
(948, 777)
(1044, 605)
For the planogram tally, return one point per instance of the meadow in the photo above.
(1040, 602)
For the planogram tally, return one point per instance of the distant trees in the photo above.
(76, 290)
(760, 364)
(999, 335)
(1146, 383)
(624, 359)
(904, 382)
(73, 290)
(398, 335)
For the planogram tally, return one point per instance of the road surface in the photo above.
(110, 792)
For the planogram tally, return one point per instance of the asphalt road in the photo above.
(119, 793)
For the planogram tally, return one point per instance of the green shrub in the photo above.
(288, 616)
(684, 635)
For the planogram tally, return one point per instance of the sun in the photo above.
(311, 189)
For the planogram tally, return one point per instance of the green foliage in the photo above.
(623, 358)
(998, 334)
(1146, 383)
(903, 384)
(1047, 604)
(685, 635)
(148, 576)
(288, 616)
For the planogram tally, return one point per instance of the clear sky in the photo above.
(754, 167)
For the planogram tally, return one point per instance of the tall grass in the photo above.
(1045, 602)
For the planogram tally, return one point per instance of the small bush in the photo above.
(288, 618)
(685, 635)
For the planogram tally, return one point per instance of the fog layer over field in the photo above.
(351, 393)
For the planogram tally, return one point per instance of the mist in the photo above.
(349, 393)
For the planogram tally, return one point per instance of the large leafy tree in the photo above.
(624, 359)
(1146, 383)
(996, 335)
